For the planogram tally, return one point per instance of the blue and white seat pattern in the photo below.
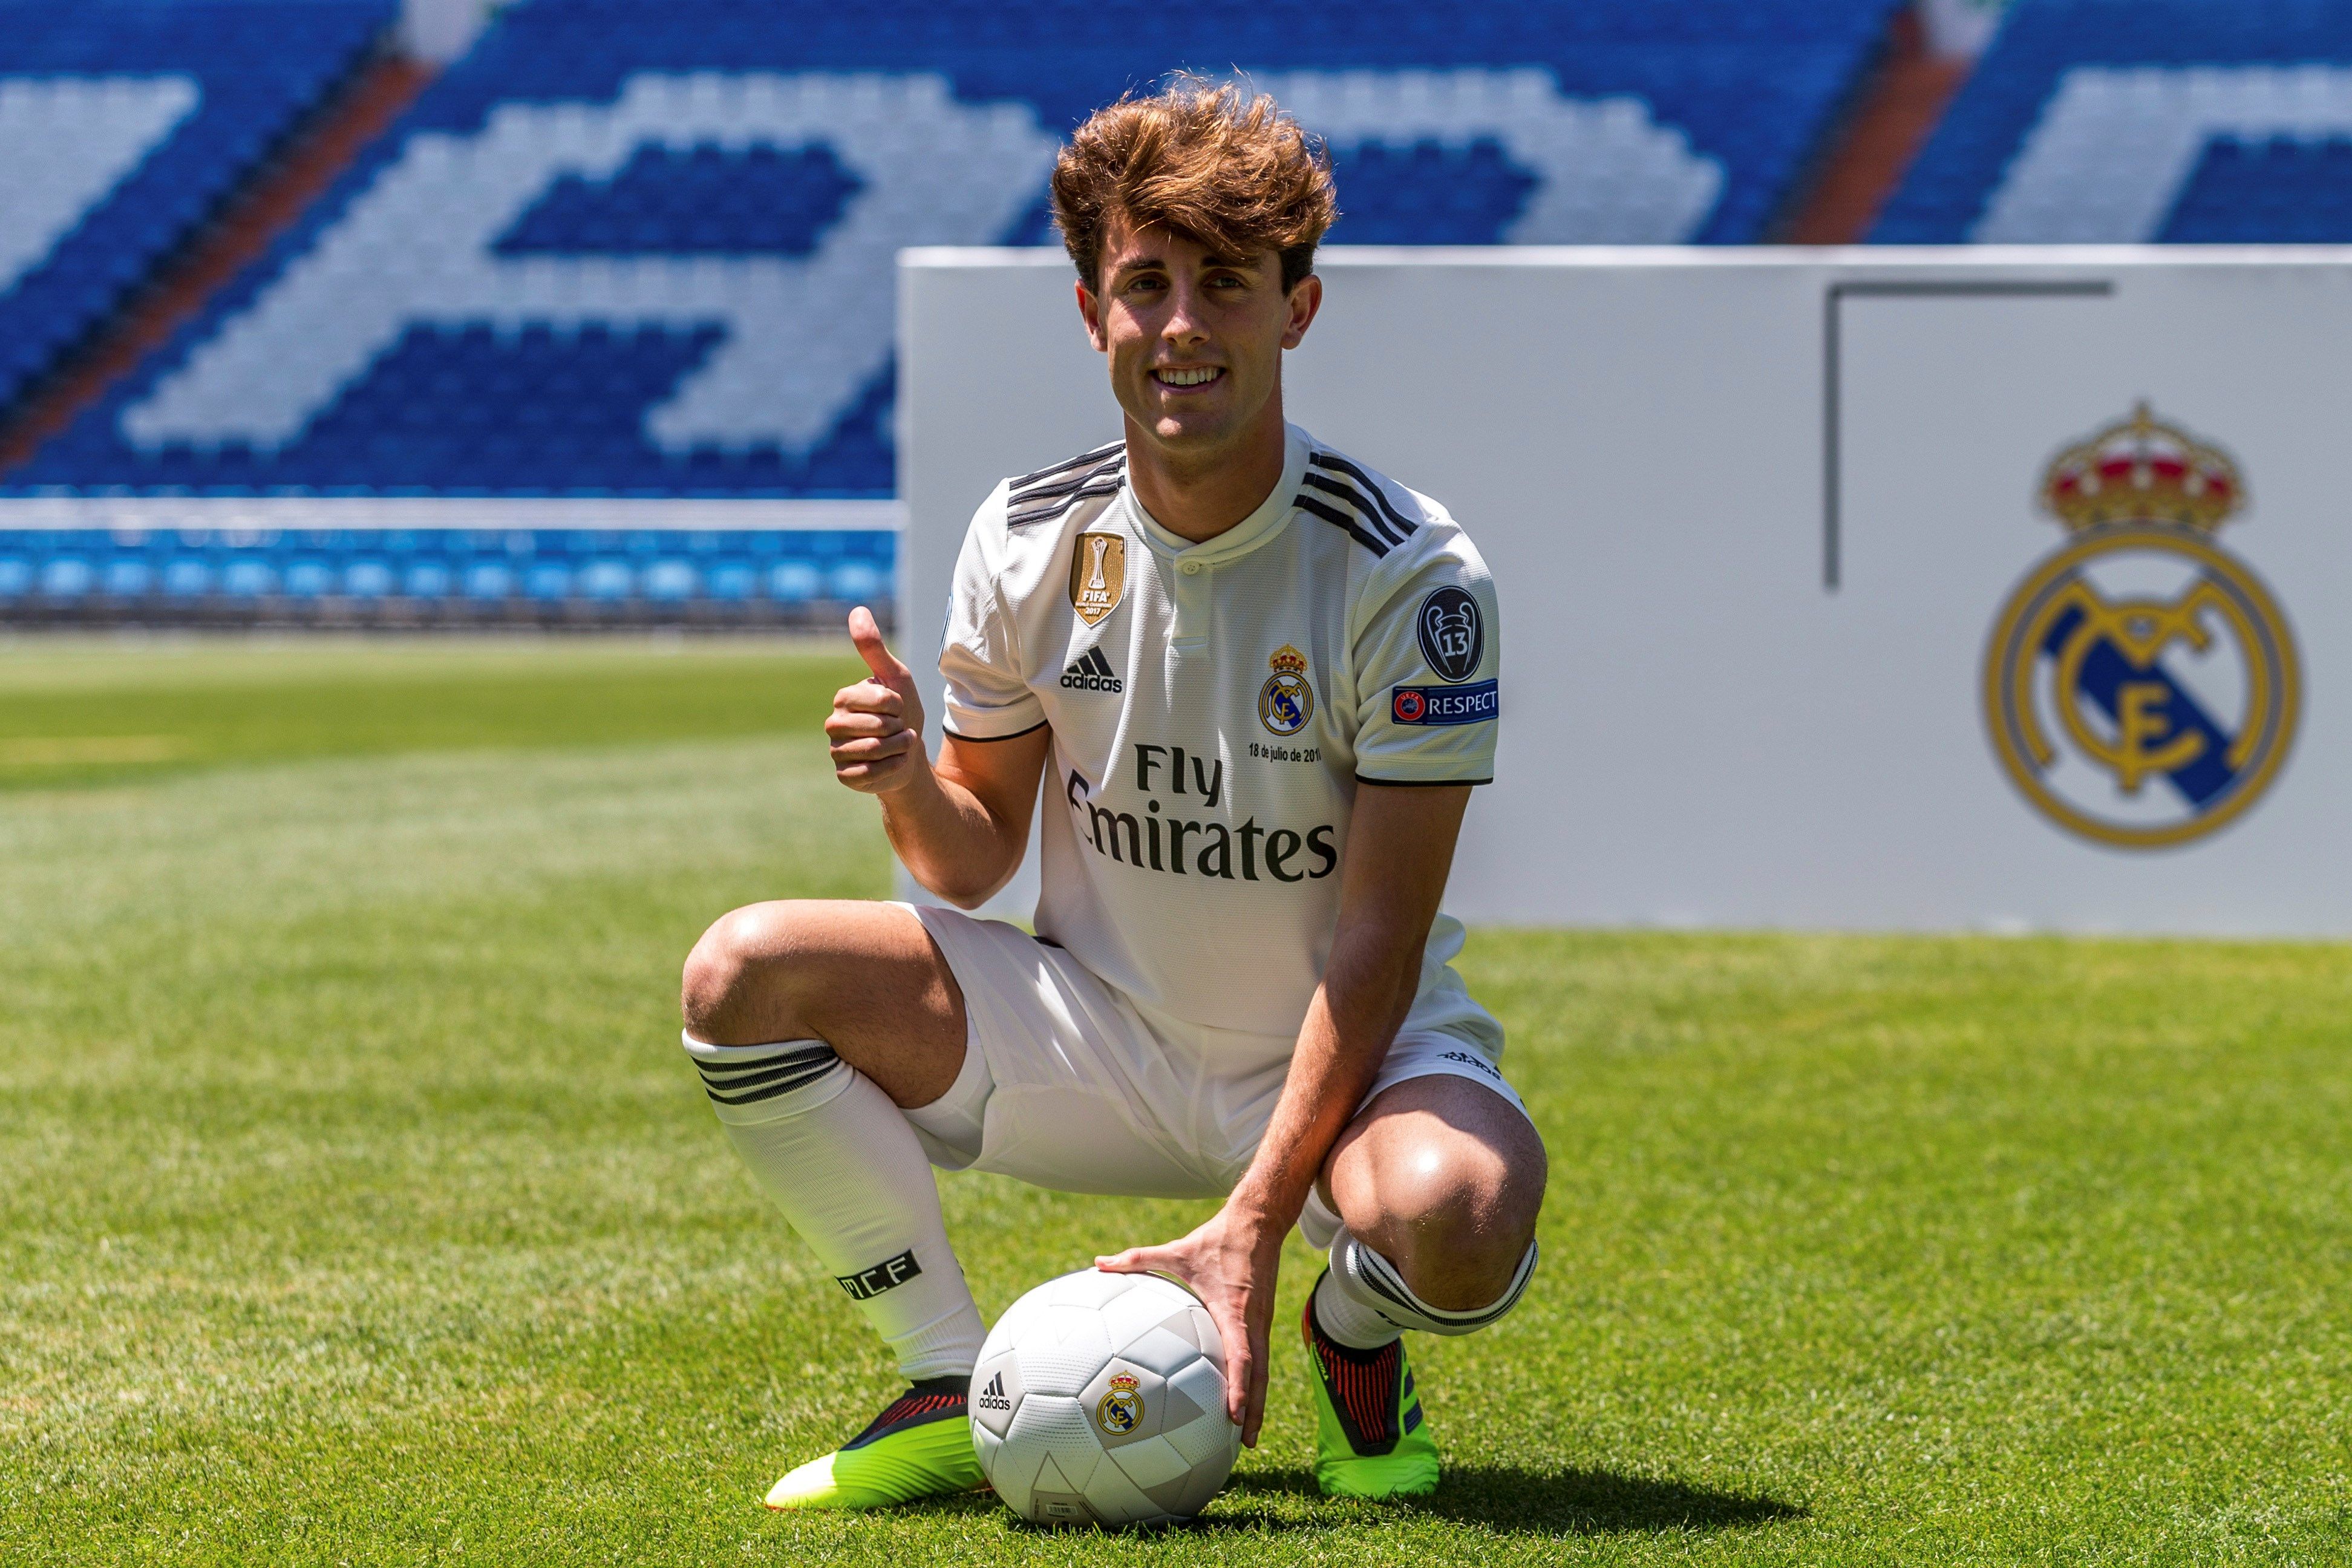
(123, 124)
(563, 575)
(647, 247)
(2127, 121)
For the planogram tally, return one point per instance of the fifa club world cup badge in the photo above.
(1098, 576)
(2141, 685)
(1118, 1411)
(1285, 701)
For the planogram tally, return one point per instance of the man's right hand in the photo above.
(877, 726)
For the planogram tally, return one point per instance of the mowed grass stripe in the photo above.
(84, 712)
(361, 1209)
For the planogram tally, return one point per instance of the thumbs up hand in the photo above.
(877, 726)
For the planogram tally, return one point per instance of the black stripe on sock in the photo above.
(1376, 1272)
(790, 1079)
(738, 1075)
(817, 1052)
(798, 1071)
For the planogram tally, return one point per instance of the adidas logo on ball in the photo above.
(993, 1396)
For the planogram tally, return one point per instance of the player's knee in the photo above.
(733, 963)
(1455, 1216)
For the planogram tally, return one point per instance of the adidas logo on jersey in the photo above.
(993, 1396)
(1092, 672)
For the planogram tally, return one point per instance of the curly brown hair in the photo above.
(1226, 169)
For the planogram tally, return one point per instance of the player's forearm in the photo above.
(1367, 988)
(948, 839)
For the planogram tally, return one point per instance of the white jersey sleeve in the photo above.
(1428, 652)
(987, 693)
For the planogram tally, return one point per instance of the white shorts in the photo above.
(1067, 1085)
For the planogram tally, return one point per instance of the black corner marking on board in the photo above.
(1832, 360)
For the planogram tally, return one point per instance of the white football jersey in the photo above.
(1213, 708)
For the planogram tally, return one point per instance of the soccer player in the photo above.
(1258, 681)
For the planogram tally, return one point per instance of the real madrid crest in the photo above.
(1098, 576)
(2141, 685)
(1286, 700)
(1118, 1411)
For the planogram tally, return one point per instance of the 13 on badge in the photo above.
(1098, 576)
(1453, 633)
(2141, 685)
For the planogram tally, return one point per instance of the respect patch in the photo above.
(1444, 704)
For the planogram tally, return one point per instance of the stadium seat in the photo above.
(2143, 121)
(124, 122)
(644, 247)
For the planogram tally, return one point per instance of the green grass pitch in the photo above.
(357, 1207)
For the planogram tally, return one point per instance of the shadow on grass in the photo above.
(1510, 1500)
(1500, 1498)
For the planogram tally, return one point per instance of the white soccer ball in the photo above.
(1102, 1397)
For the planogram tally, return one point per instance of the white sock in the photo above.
(1364, 1302)
(1352, 1322)
(831, 1150)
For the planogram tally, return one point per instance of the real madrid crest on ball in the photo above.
(1285, 701)
(2141, 685)
(1118, 1411)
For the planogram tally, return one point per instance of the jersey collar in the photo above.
(1251, 530)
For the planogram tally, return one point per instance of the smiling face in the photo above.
(1194, 339)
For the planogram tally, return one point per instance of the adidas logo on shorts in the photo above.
(1092, 672)
(993, 1396)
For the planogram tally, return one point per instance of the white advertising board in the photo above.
(1842, 588)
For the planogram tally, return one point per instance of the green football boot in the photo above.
(919, 1446)
(1369, 1438)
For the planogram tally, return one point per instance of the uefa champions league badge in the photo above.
(2141, 685)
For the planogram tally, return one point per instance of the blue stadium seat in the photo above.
(65, 578)
(187, 577)
(644, 247)
(425, 580)
(308, 578)
(128, 577)
(124, 123)
(367, 578)
(247, 576)
(549, 582)
(794, 581)
(2129, 121)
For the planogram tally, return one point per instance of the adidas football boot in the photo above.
(1369, 1438)
(919, 1446)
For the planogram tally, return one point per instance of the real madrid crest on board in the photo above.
(2141, 685)
(1118, 1411)
(1286, 700)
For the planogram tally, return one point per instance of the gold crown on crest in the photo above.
(2142, 470)
(1123, 1383)
(1288, 660)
